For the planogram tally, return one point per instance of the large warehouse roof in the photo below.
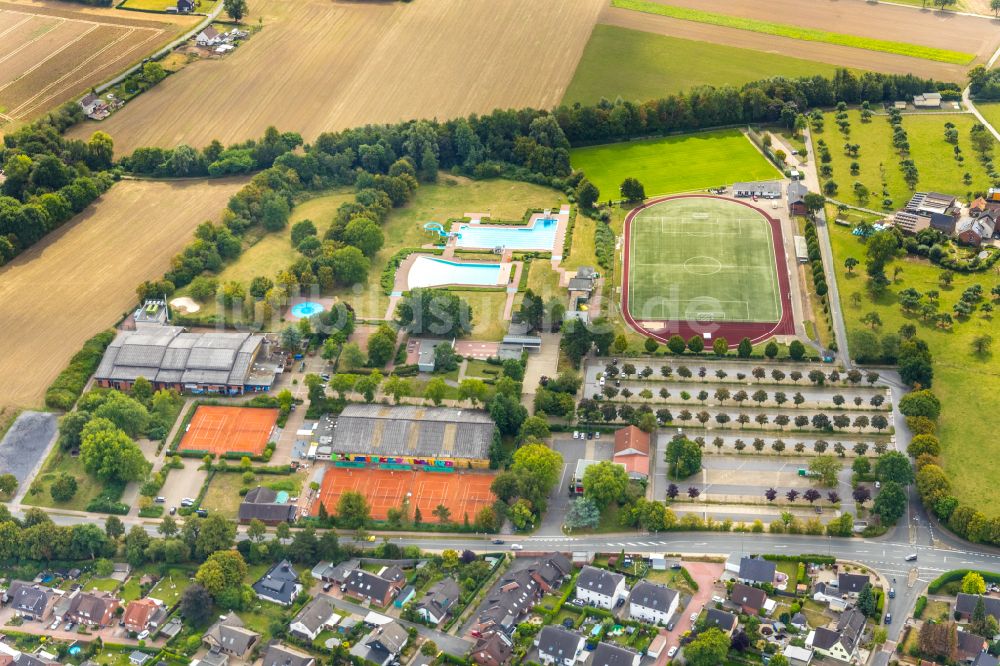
(170, 355)
(403, 430)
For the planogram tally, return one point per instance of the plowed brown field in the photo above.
(854, 17)
(82, 277)
(321, 65)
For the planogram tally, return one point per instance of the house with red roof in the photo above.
(632, 451)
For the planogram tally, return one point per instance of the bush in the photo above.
(958, 575)
(67, 387)
(918, 609)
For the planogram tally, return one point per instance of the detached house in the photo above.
(142, 615)
(262, 503)
(493, 649)
(852, 584)
(652, 603)
(229, 636)
(966, 604)
(92, 609)
(313, 618)
(438, 600)
(612, 655)
(284, 655)
(974, 230)
(559, 647)
(31, 602)
(508, 603)
(750, 599)
(721, 620)
(208, 37)
(551, 573)
(600, 587)
(969, 646)
(843, 643)
(388, 640)
(755, 570)
(632, 451)
(279, 585)
(366, 586)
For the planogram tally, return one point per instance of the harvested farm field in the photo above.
(345, 64)
(82, 277)
(853, 17)
(54, 53)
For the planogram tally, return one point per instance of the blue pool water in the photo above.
(540, 236)
(75, 650)
(281, 497)
(431, 272)
(306, 309)
(47, 578)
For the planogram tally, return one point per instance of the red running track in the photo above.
(733, 332)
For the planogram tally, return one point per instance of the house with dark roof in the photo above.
(797, 192)
(29, 601)
(389, 638)
(607, 654)
(652, 603)
(600, 587)
(756, 570)
(393, 574)
(632, 450)
(280, 654)
(721, 620)
(551, 573)
(438, 600)
(493, 649)
(559, 647)
(264, 505)
(91, 609)
(830, 595)
(313, 618)
(969, 646)
(749, 599)
(279, 585)
(366, 586)
(985, 659)
(975, 230)
(335, 573)
(966, 604)
(843, 642)
(852, 584)
(143, 614)
(507, 603)
(229, 636)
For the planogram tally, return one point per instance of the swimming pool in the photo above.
(433, 272)
(306, 309)
(539, 236)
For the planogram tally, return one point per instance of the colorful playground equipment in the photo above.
(436, 227)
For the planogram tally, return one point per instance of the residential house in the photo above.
(335, 573)
(213, 657)
(974, 230)
(438, 600)
(652, 603)
(749, 599)
(723, 621)
(89, 103)
(985, 659)
(852, 584)
(279, 585)
(632, 450)
(827, 594)
(314, 617)
(389, 639)
(493, 649)
(969, 646)
(262, 503)
(559, 647)
(756, 570)
(551, 573)
(508, 603)
(607, 654)
(280, 654)
(185, 6)
(229, 636)
(800, 622)
(138, 658)
(600, 587)
(143, 614)
(977, 207)
(393, 574)
(208, 37)
(366, 586)
(843, 643)
(29, 601)
(966, 603)
(91, 609)
(797, 192)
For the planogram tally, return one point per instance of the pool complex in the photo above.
(539, 236)
(306, 309)
(432, 272)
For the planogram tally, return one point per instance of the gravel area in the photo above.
(24, 445)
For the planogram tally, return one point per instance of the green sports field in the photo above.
(673, 164)
(701, 258)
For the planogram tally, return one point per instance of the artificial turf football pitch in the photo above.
(702, 259)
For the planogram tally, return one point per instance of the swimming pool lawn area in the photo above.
(433, 272)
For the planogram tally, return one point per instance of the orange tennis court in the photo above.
(465, 494)
(218, 430)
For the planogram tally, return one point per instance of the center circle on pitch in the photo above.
(703, 265)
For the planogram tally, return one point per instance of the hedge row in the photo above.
(959, 574)
(68, 386)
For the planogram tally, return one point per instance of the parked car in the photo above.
(327, 587)
(68, 627)
(672, 651)
(888, 618)
(717, 599)
(160, 500)
(202, 513)
(597, 435)
(912, 557)
(173, 510)
(143, 635)
(670, 625)
(694, 616)
(576, 434)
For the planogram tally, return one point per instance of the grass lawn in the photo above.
(261, 617)
(102, 584)
(609, 522)
(223, 495)
(131, 589)
(200, 6)
(797, 32)
(479, 369)
(879, 161)
(673, 164)
(581, 253)
(990, 111)
(958, 371)
(640, 66)
(671, 578)
(790, 569)
(691, 256)
(59, 462)
(543, 280)
(172, 585)
(813, 611)
(937, 610)
(487, 314)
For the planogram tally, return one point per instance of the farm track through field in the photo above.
(82, 277)
(348, 64)
(39, 63)
(843, 56)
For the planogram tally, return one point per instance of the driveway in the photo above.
(705, 574)
(542, 363)
(572, 450)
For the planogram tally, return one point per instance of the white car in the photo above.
(143, 635)
(576, 434)
(672, 651)
(694, 616)
(516, 546)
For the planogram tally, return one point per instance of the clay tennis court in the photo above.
(220, 430)
(464, 494)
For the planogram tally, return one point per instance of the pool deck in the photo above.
(402, 284)
(561, 217)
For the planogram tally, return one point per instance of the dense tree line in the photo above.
(49, 178)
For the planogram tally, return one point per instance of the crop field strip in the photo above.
(733, 263)
(797, 32)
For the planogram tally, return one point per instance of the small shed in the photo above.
(405, 596)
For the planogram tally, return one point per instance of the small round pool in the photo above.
(306, 309)
(75, 650)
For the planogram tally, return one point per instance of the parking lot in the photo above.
(572, 450)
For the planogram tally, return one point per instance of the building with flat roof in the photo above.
(762, 189)
(171, 357)
(581, 468)
(412, 436)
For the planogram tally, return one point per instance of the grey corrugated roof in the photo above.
(403, 430)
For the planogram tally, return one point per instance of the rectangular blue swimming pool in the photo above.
(433, 272)
(540, 236)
